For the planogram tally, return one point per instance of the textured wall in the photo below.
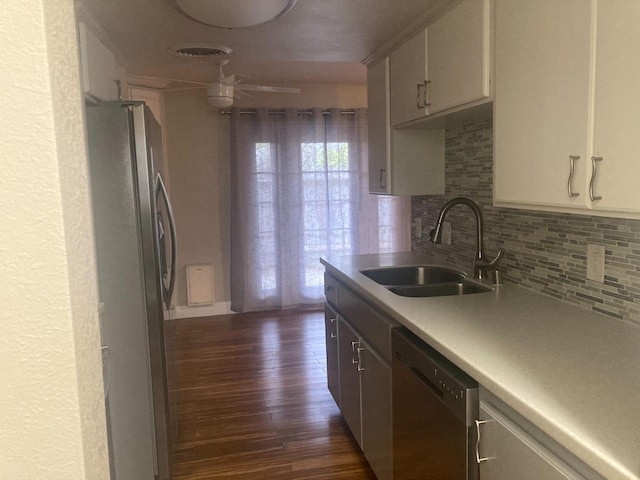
(52, 413)
(546, 252)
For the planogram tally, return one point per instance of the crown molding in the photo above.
(406, 34)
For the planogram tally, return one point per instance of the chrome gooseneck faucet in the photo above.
(481, 265)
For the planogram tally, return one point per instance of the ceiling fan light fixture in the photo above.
(220, 95)
(233, 13)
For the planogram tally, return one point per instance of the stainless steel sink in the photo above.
(413, 275)
(425, 281)
(463, 287)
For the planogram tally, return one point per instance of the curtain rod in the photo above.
(281, 112)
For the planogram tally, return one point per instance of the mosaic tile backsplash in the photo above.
(545, 252)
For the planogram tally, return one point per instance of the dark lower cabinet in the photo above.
(375, 399)
(331, 335)
(358, 340)
(348, 341)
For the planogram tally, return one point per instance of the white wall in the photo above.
(196, 138)
(52, 418)
(198, 151)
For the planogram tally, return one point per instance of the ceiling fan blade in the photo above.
(179, 89)
(178, 80)
(266, 88)
(237, 93)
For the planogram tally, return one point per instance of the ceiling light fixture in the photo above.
(233, 13)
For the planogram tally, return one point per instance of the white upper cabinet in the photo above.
(408, 77)
(401, 161)
(566, 94)
(617, 106)
(99, 67)
(443, 67)
(379, 131)
(458, 54)
(541, 101)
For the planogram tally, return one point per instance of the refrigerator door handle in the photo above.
(161, 192)
(162, 246)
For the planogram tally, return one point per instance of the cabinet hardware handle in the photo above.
(427, 103)
(572, 159)
(594, 174)
(419, 87)
(332, 330)
(478, 459)
(360, 349)
(383, 184)
(106, 355)
(354, 353)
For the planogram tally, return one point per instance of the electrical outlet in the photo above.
(595, 263)
(417, 223)
(446, 233)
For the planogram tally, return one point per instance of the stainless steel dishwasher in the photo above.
(435, 405)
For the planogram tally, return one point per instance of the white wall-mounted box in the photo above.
(200, 285)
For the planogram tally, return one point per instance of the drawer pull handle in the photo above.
(594, 174)
(359, 350)
(333, 328)
(354, 352)
(479, 460)
(572, 159)
(419, 96)
(427, 103)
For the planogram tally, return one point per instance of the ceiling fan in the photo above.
(223, 88)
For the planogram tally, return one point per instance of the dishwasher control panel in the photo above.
(453, 386)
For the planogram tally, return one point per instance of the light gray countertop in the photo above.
(575, 374)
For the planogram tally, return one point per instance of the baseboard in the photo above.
(219, 308)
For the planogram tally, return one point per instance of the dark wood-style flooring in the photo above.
(251, 400)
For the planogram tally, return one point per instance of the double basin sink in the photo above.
(425, 281)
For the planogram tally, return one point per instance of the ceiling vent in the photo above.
(199, 50)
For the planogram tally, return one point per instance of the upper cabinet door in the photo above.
(617, 106)
(407, 72)
(379, 131)
(458, 53)
(542, 97)
(100, 69)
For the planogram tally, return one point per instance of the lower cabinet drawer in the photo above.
(375, 327)
(331, 286)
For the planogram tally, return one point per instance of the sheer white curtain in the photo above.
(298, 192)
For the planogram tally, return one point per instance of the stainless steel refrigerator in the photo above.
(136, 255)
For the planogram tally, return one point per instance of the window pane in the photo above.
(338, 156)
(264, 208)
(312, 157)
(264, 162)
(324, 219)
